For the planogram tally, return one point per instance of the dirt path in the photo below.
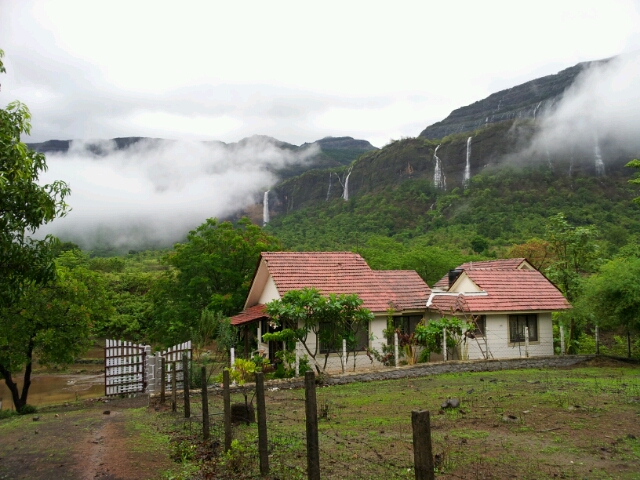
(85, 444)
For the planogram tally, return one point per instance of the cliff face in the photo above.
(528, 100)
(492, 146)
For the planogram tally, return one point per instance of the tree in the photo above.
(300, 312)
(26, 264)
(212, 269)
(535, 250)
(24, 207)
(479, 244)
(614, 295)
(635, 164)
(51, 323)
(575, 254)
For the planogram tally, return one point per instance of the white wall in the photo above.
(499, 346)
(363, 362)
(270, 291)
(464, 284)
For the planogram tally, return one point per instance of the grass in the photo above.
(563, 419)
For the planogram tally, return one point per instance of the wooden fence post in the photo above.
(597, 341)
(422, 455)
(262, 425)
(174, 388)
(185, 381)
(562, 349)
(311, 412)
(526, 342)
(205, 404)
(226, 394)
(163, 380)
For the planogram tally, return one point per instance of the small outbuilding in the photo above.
(509, 301)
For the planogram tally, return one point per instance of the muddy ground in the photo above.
(581, 422)
(86, 443)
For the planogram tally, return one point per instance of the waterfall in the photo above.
(598, 157)
(345, 195)
(467, 168)
(439, 180)
(265, 208)
(535, 110)
(329, 189)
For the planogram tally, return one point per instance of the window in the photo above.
(407, 324)
(480, 322)
(517, 323)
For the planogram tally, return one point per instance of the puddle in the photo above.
(53, 389)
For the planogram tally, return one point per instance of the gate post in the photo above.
(185, 384)
(163, 379)
(174, 388)
(150, 370)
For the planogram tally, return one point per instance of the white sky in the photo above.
(297, 71)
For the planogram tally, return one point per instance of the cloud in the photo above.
(600, 110)
(154, 191)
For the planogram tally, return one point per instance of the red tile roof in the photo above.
(410, 291)
(251, 314)
(501, 264)
(346, 272)
(507, 291)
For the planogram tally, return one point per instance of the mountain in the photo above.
(490, 147)
(392, 194)
(528, 100)
(492, 172)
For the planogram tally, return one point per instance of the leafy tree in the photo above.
(575, 254)
(212, 269)
(430, 262)
(479, 244)
(300, 312)
(635, 164)
(213, 325)
(535, 250)
(25, 205)
(614, 295)
(51, 323)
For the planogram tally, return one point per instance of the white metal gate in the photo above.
(124, 368)
(129, 368)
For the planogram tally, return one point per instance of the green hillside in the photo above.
(508, 200)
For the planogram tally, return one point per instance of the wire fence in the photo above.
(354, 439)
(350, 444)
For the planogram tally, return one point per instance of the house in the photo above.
(507, 299)
(335, 272)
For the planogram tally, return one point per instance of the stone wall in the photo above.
(426, 369)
